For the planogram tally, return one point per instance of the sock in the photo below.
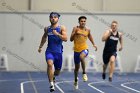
(76, 79)
(51, 83)
(84, 72)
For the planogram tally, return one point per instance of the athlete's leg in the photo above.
(50, 71)
(106, 61)
(104, 68)
(77, 64)
(57, 64)
(104, 71)
(56, 72)
(76, 70)
(83, 54)
(111, 66)
(82, 57)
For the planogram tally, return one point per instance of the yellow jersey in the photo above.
(80, 39)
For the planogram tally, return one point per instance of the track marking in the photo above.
(90, 85)
(56, 84)
(59, 88)
(25, 82)
(30, 78)
(124, 85)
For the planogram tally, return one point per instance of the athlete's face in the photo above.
(54, 19)
(114, 26)
(82, 22)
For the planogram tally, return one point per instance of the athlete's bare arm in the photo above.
(43, 40)
(121, 41)
(73, 33)
(106, 35)
(92, 40)
(63, 34)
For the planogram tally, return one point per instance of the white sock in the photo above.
(51, 83)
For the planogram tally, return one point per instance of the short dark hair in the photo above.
(55, 13)
(82, 17)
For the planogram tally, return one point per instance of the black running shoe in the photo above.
(103, 76)
(110, 79)
(52, 88)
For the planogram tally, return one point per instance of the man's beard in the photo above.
(53, 23)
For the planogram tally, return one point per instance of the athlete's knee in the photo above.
(77, 66)
(49, 65)
(76, 70)
(104, 65)
(112, 59)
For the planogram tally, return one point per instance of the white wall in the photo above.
(122, 5)
(23, 55)
(19, 5)
(67, 5)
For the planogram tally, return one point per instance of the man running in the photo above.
(56, 35)
(79, 35)
(111, 38)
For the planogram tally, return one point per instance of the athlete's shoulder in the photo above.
(46, 28)
(108, 31)
(62, 27)
(76, 27)
(120, 34)
(87, 28)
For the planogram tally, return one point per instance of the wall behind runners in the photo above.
(21, 33)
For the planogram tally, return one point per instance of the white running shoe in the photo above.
(85, 78)
(76, 84)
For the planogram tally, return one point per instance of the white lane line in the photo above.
(60, 89)
(90, 85)
(33, 85)
(56, 84)
(118, 88)
(22, 84)
(124, 85)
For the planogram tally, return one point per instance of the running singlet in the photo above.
(111, 43)
(54, 42)
(80, 40)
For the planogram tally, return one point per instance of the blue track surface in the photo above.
(37, 82)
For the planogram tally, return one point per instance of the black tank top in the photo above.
(111, 43)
